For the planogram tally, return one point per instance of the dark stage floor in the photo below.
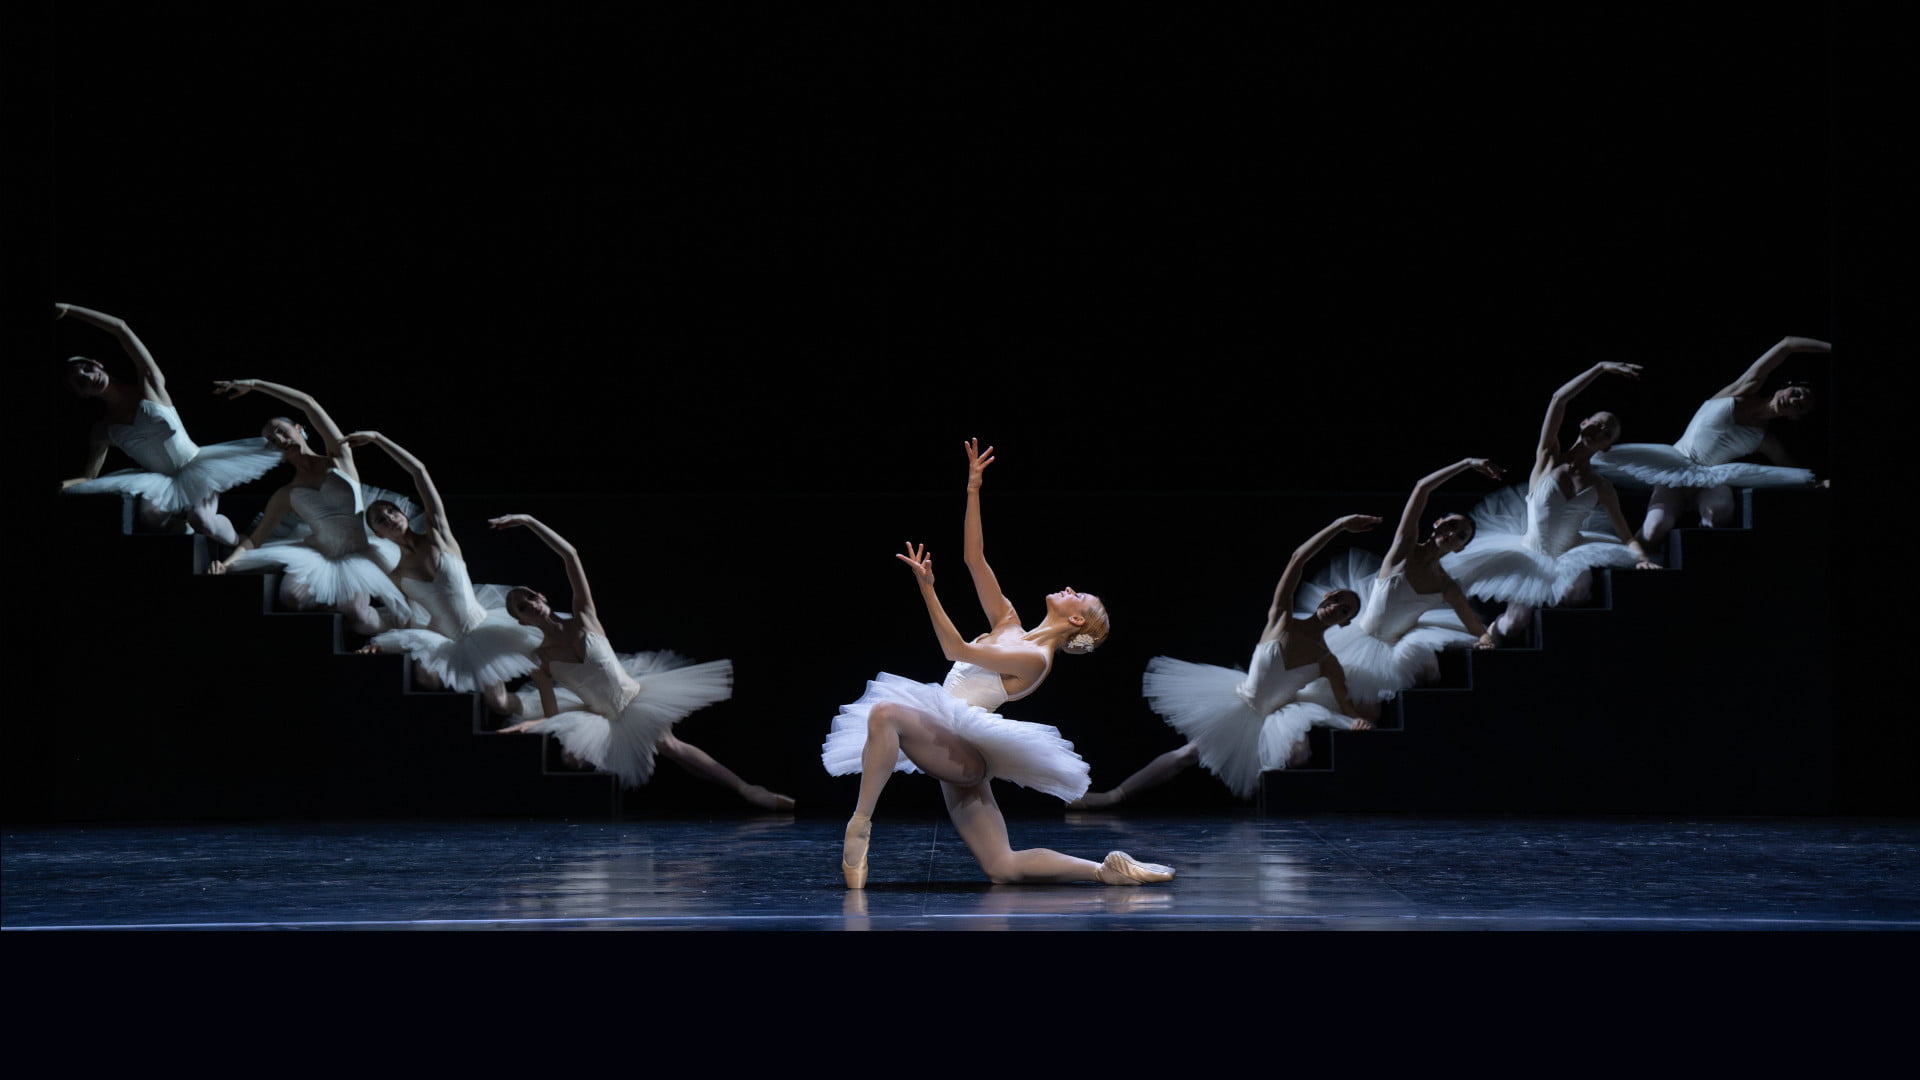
(1237, 872)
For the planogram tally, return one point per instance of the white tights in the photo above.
(893, 729)
(204, 516)
(1716, 506)
(1518, 617)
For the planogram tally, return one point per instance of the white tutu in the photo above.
(616, 707)
(330, 579)
(1394, 641)
(459, 638)
(337, 560)
(1533, 548)
(1703, 458)
(174, 472)
(1222, 716)
(1652, 464)
(493, 652)
(1031, 755)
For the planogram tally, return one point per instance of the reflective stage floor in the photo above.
(1236, 872)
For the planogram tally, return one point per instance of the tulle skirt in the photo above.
(1649, 464)
(213, 470)
(1031, 755)
(330, 579)
(1501, 565)
(495, 651)
(670, 690)
(1235, 742)
(1378, 668)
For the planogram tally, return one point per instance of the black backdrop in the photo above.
(789, 262)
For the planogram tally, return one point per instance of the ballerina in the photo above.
(616, 712)
(337, 564)
(1704, 466)
(177, 478)
(1412, 609)
(952, 733)
(1240, 724)
(1530, 549)
(466, 644)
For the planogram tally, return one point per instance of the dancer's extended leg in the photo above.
(702, 764)
(1156, 772)
(977, 818)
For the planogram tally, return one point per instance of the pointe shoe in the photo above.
(1097, 800)
(860, 832)
(767, 800)
(1121, 868)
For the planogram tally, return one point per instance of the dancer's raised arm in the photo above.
(152, 382)
(576, 573)
(1407, 533)
(330, 432)
(973, 551)
(1751, 380)
(1296, 566)
(436, 510)
(1547, 453)
(1024, 660)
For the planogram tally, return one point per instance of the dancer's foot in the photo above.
(1098, 800)
(1121, 869)
(1361, 723)
(766, 800)
(853, 851)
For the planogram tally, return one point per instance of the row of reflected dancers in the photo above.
(1368, 629)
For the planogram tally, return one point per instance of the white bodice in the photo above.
(1712, 438)
(332, 510)
(599, 680)
(976, 685)
(451, 607)
(1268, 686)
(1554, 520)
(156, 438)
(1393, 607)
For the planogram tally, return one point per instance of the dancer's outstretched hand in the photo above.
(977, 462)
(1482, 465)
(361, 438)
(232, 388)
(921, 560)
(510, 521)
(1631, 371)
(1357, 522)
